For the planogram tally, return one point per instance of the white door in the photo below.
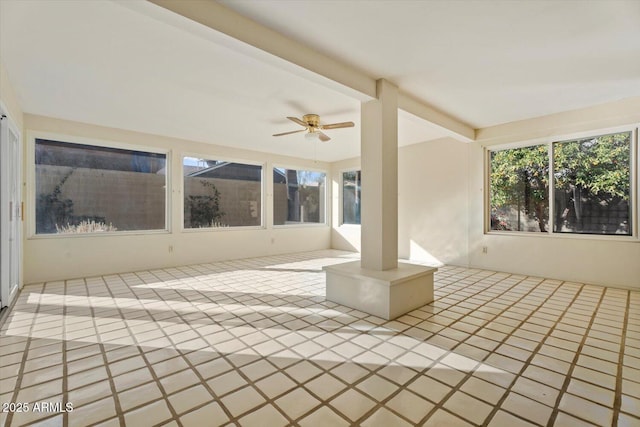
(10, 211)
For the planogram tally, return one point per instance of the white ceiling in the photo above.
(483, 62)
(133, 65)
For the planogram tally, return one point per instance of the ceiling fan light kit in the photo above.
(312, 136)
(313, 127)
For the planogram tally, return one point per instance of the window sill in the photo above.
(223, 229)
(547, 235)
(300, 225)
(105, 234)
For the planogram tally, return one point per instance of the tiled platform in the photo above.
(254, 343)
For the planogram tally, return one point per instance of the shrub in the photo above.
(85, 227)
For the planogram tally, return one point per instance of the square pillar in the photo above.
(379, 152)
(377, 284)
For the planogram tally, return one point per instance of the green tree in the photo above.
(520, 180)
(205, 210)
(596, 168)
(599, 165)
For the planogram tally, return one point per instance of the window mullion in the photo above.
(634, 196)
(552, 192)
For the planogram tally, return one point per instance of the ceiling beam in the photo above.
(224, 20)
(454, 127)
(306, 62)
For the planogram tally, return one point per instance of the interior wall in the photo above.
(432, 203)
(584, 259)
(441, 212)
(54, 258)
(9, 98)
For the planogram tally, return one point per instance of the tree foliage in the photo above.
(520, 179)
(205, 210)
(598, 166)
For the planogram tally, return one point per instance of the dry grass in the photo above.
(85, 227)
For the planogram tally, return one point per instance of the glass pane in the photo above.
(298, 196)
(592, 185)
(519, 189)
(351, 198)
(221, 194)
(89, 189)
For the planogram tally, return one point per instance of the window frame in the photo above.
(549, 141)
(341, 197)
(79, 140)
(326, 196)
(263, 187)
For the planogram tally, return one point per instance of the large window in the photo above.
(591, 186)
(351, 198)
(92, 189)
(218, 193)
(592, 178)
(298, 196)
(519, 189)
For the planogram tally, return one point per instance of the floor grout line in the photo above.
(470, 374)
(256, 321)
(103, 353)
(150, 369)
(574, 362)
(617, 403)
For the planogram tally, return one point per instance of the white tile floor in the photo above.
(253, 342)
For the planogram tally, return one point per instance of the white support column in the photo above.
(379, 151)
(378, 284)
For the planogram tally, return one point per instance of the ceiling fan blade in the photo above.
(298, 121)
(289, 133)
(323, 137)
(338, 125)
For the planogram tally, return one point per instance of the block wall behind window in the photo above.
(53, 258)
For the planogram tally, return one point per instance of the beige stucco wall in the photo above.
(611, 261)
(441, 206)
(9, 98)
(61, 257)
(432, 203)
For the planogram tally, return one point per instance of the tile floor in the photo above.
(254, 343)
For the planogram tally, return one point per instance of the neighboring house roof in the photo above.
(60, 153)
(229, 170)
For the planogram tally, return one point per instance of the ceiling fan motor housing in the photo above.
(313, 120)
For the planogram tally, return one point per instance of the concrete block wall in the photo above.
(128, 200)
(240, 201)
(136, 201)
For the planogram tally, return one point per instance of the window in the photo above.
(298, 196)
(218, 193)
(351, 183)
(592, 178)
(92, 189)
(591, 186)
(519, 189)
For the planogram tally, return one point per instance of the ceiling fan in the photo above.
(312, 126)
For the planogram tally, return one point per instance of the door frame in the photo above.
(11, 210)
